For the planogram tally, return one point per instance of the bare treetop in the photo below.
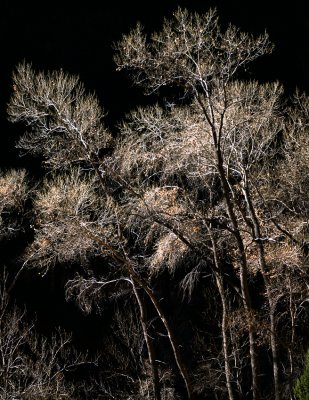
(66, 122)
(191, 51)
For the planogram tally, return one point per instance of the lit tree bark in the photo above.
(224, 330)
(243, 278)
(292, 310)
(256, 233)
(184, 55)
(149, 343)
(178, 358)
(138, 280)
(217, 135)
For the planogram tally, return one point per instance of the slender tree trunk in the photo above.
(149, 344)
(216, 131)
(237, 365)
(227, 369)
(273, 343)
(125, 261)
(256, 231)
(219, 281)
(243, 273)
(180, 364)
(292, 341)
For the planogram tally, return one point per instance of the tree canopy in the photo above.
(194, 216)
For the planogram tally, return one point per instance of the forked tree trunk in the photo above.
(149, 344)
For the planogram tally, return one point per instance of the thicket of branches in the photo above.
(192, 221)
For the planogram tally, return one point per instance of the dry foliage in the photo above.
(66, 209)
(13, 194)
(65, 121)
(164, 146)
(189, 51)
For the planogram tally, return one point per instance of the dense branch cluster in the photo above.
(13, 194)
(65, 121)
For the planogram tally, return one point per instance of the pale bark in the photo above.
(256, 232)
(173, 342)
(149, 344)
(243, 268)
(219, 281)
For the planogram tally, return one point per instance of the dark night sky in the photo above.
(78, 38)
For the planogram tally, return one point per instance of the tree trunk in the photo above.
(216, 132)
(219, 281)
(149, 344)
(292, 310)
(123, 260)
(180, 364)
(243, 272)
(256, 233)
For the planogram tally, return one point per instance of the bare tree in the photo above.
(76, 218)
(66, 122)
(230, 130)
(217, 181)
